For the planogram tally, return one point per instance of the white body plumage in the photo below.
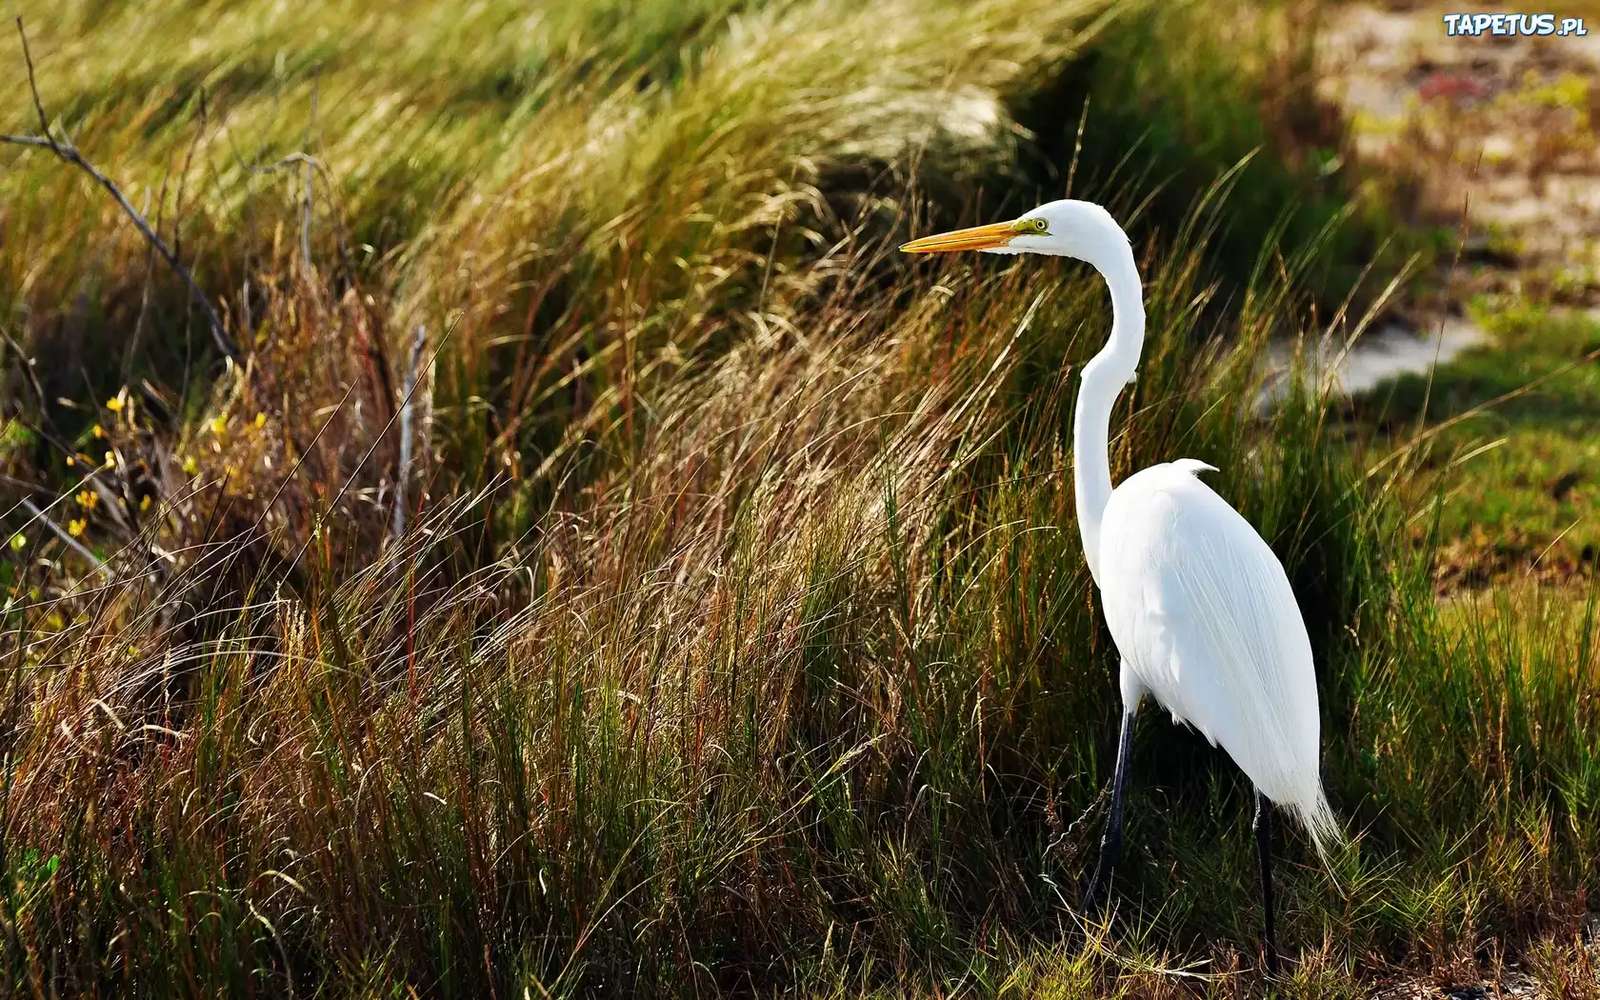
(1207, 625)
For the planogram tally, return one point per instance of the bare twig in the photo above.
(367, 457)
(306, 189)
(27, 371)
(313, 168)
(33, 85)
(68, 153)
(407, 406)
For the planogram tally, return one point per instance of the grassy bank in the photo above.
(739, 640)
(1504, 441)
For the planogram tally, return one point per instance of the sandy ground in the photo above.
(1499, 131)
(1490, 138)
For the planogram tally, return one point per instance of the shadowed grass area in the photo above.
(740, 641)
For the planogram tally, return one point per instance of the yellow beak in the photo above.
(976, 238)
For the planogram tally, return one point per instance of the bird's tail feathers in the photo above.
(1316, 816)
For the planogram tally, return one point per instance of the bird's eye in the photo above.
(1040, 225)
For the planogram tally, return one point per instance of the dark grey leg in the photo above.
(1111, 843)
(1263, 828)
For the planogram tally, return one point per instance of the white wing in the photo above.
(1206, 622)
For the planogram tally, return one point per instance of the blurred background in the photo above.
(487, 511)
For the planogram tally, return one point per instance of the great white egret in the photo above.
(1199, 607)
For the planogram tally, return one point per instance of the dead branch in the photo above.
(407, 406)
(65, 151)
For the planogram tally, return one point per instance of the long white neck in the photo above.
(1103, 379)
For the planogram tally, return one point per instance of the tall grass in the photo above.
(741, 642)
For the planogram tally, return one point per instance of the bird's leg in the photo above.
(1263, 828)
(1111, 843)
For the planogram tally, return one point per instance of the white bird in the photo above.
(1199, 607)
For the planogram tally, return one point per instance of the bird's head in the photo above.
(1068, 228)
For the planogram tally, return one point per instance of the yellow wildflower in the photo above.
(18, 541)
(261, 420)
(114, 404)
(98, 431)
(87, 499)
(75, 526)
(190, 466)
(144, 502)
(219, 425)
